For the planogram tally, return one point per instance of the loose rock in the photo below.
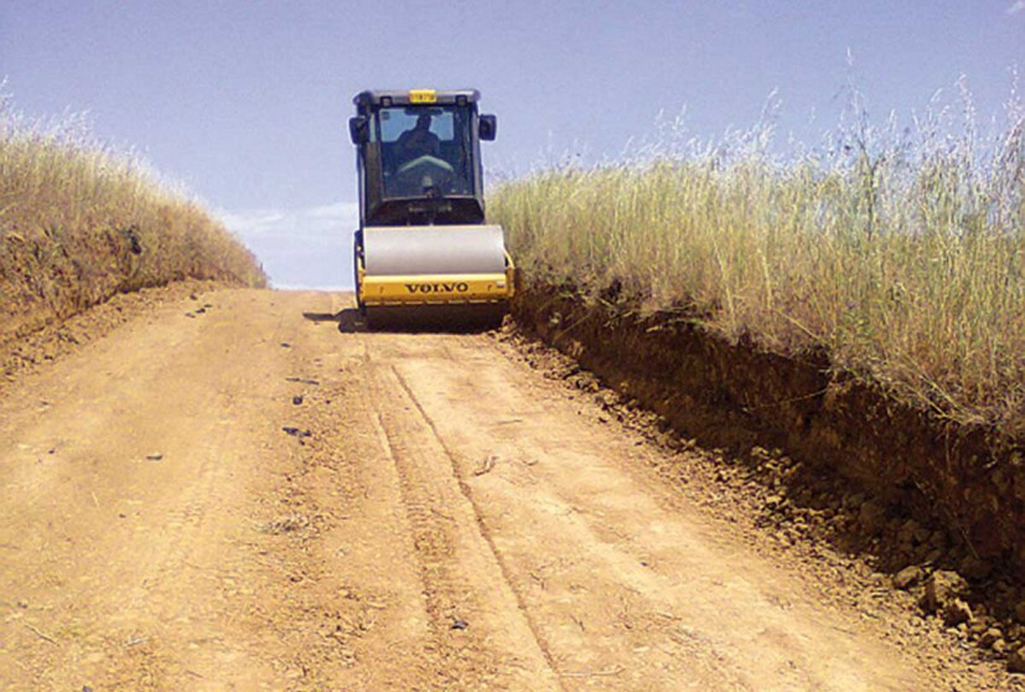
(296, 432)
(906, 533)
(956, 612)
(872, 517)
(908, 577)
(975, 568)
(1019, 611)
(942, 587)
(990, 636)
(1016, 661)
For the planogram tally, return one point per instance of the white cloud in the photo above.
(249, 223)
(309, 247)
(1017, 7)
(336, 210)
(313, 221)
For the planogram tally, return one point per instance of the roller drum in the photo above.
(433, 250)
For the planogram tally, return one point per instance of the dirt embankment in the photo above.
(920, 494)
(80, 224)
(51, 272)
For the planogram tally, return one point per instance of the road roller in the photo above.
(424, 256)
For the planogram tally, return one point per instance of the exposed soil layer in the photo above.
(50, 275)
(914, 491)
(61, 255)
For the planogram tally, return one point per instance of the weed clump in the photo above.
(80, 222)
(899, 252)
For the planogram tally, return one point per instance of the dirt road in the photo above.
(252, 496)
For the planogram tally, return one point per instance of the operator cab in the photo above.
(419, 156)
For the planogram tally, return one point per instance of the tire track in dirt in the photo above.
(482, 528)
(480, 634)
(629, 593)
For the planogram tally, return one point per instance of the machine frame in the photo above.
(420, 229)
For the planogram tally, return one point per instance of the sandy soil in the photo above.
(253, 495)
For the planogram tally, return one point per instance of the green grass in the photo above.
(79, 222)
(901, 254)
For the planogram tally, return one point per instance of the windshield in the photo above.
(425, 150)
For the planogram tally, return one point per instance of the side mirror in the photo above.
(488, 127)
(358, 129)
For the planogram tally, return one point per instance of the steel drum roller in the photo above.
(432, 250)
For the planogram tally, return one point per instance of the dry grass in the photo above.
(79, 223)
(901, 253)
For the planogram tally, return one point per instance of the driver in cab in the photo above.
(419, 141)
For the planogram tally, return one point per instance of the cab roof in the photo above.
(415, 97)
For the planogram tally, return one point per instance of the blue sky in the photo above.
(246, 102)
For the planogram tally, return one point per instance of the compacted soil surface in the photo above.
(242, 489)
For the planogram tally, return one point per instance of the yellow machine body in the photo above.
(434, 265)
(412, 289)
(424, 251)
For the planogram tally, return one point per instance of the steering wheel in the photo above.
(437, 172)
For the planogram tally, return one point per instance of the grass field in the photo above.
(79, 222)
(900, 252)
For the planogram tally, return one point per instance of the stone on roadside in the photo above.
(906, 533)
(975, 568)
(1019, 611)
(1016, 661)
(956, 612)
(908, 577)
(872, 516)
(991, 636)
(941, 587)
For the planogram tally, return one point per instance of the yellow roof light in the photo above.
(423, 96)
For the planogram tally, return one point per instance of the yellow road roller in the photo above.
(423, 253)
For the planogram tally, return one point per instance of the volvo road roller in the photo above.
(423, 255)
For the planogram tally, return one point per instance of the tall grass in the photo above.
(899, 252)
(79, 222)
